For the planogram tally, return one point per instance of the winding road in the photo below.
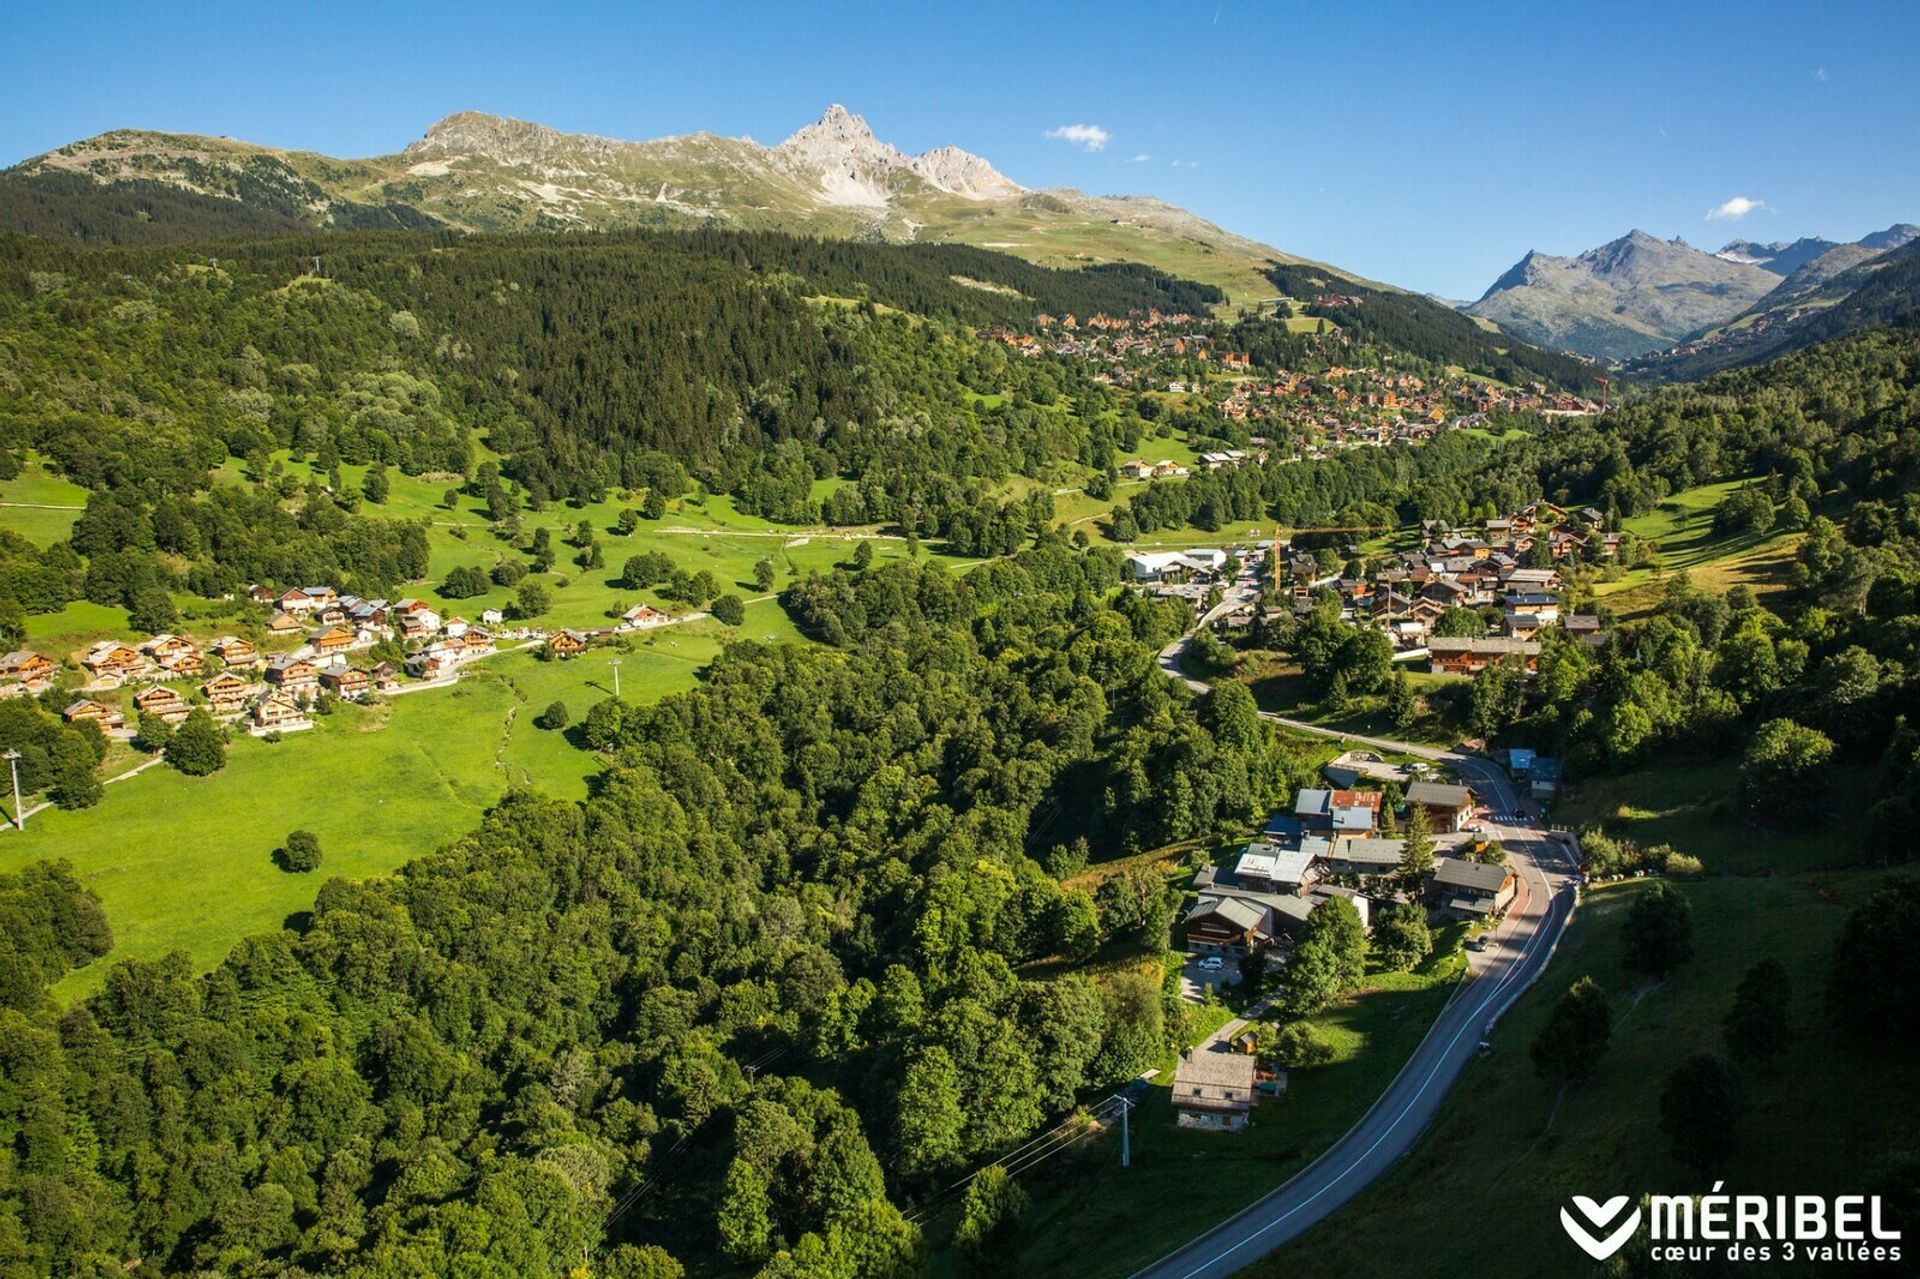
(1522, 946)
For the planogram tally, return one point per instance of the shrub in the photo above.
(302, 852)
(555, 716)
(1298, 1047)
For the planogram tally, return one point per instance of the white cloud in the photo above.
(1088, 137)
(1142, 158)
(1734, 209)
(1820, 75)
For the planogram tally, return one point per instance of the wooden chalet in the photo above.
(346, 681)
(88, 711)
(163, 703)
(293, 674)
(226, 693)
(566, 643)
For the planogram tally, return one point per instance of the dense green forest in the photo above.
(762, 989)
(639, 362)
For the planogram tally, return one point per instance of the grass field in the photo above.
(39, 506)
(1483, 1189)
(184, 863)
(1693, 806)
(1681, 530)
(1094, 1219)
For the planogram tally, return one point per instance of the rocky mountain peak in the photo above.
(964, 174)
(508, 142)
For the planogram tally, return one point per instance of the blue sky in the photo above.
(1429, 145)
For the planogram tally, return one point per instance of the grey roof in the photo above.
(1355, 817)
(1312, 803)
(1439, 795)
(1369, 852)
(1546, 768)
(1235, 910)
(1458, 872)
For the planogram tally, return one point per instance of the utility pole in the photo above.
(1126, 1133)
(19, 814)
(615, 663)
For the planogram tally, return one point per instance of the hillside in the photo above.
(477, 172)
(1633, 295)
(1425, 327)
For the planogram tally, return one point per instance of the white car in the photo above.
(1212, 964)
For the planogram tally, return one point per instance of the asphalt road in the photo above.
(1525, 942)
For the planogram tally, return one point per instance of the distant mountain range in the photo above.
(480, 172)
(1640, 294)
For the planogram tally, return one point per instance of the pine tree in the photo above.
(1400, 704)
(1416, 855)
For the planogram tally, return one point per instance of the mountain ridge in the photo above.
(1639, 294)
(1619, 299)
(475, 171)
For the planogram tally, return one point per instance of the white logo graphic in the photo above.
(1599, 1214)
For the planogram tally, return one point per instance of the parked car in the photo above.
(1212, 964)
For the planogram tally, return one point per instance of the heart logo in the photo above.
(1599, 1214)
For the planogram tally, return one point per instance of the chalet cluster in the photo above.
(1509, 566)
(166, 677)
(335, 624)
(1330, 845)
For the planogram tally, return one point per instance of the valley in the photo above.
(691, 708)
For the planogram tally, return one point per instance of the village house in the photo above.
(1448, 805)
(284, 624)
(111, 663)
(226, 693)
(277, 712)
(329, 640)
(386, 677)
(566, 643)
(436, 662)
(1363, 857)
(416, 619)
(292, 675)
(163, 703)
(27, 670)
(1270, 868)
(88, 711)
(1213, 1089)
(235, 651)
(1341, 814)
(175, 655)
(1473, 889)
(347, 682)
(491, 617)
(307, 599)
(1470, 656)
(642, 616)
